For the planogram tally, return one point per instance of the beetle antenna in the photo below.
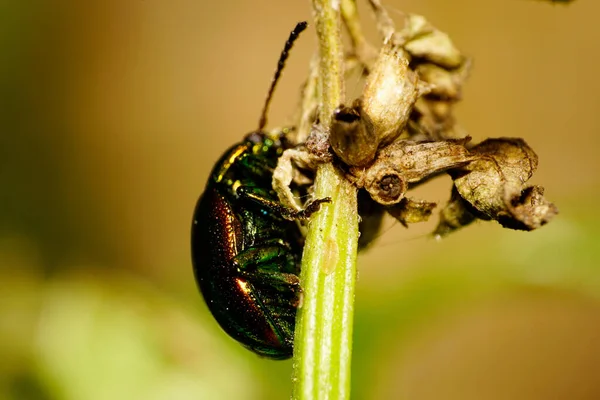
(300, 26)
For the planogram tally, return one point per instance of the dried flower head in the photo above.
(402, 132)
(493, 187)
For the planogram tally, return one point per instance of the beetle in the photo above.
(246, 246)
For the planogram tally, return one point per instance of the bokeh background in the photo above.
(111, 116)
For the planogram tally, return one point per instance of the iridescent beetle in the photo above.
(246, 246)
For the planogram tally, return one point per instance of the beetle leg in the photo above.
(274, 280)
(256, 195)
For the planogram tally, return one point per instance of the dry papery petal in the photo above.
(445, 70)
(287, 172)
(419, 38)
(424, 41)
(381, 114)
(494, 185)
(390, 92)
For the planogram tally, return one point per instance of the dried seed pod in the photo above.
(384, 182)
(390, 92)
(433, 113)
(420, 160)
(503, 165)
(410, 211)
(455, 214)
(445, 84)
(528, 210)
(434, 118)
(404, 162)
(350, 139)
(494, 185)
(425, 42)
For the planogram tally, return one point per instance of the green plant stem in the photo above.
(323, 338)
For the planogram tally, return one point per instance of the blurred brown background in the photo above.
(112, 114)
